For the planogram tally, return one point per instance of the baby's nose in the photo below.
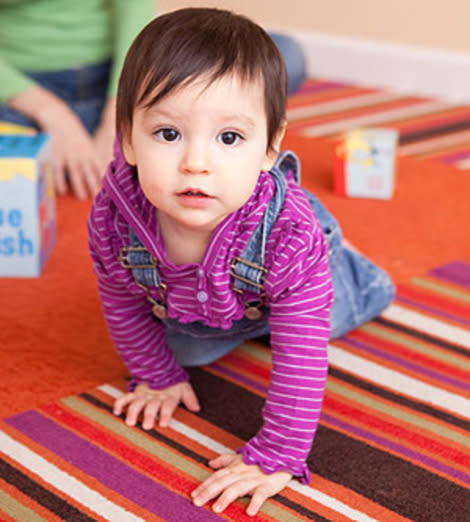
(195, 159)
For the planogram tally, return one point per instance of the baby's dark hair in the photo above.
(176, 48)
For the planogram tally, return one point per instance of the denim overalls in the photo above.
(361, 289)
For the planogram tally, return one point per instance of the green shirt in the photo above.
(47, 35)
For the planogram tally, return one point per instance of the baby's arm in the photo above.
(158, 383)
(140, 340)
(301, 296)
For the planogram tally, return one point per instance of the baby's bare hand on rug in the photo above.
(234, 479)
(153, 403)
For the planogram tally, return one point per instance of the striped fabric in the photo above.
(393, 443)
(428, 128)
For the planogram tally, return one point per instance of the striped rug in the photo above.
(393, 443)
(428, 128)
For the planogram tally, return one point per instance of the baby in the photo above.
(202, 238)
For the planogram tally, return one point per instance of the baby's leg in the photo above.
(195, 344)
(362, 289)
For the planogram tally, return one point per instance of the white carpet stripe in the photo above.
(352, 102)
(430, 325)
(431, 145)
(398, 382)
(376, 118)
(64, 482)
(308, 492)
(327, 501)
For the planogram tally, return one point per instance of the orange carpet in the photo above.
(52, 335)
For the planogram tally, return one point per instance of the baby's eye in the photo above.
(230, 137)
(168, 134)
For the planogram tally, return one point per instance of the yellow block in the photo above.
(12, 167)
(12, 128)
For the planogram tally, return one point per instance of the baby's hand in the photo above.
(150, 403)
(236, 479)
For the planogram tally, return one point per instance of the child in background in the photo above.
(202, 238)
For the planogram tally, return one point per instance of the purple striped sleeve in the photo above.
(300, 292)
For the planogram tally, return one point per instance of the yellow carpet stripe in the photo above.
(441, 289)
(378, 118)
(18, 511)
(415, 320)
(352, 102)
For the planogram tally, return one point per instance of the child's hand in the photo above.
(150, 403)
(236, 479)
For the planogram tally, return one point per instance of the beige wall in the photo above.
(443, 24)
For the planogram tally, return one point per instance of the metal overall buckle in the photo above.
(158, 307)
(124, 260)
(253, 309)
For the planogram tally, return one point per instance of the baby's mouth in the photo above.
(193, 193)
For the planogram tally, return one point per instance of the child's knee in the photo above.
(362, 291)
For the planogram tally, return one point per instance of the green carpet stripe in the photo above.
(441, 289)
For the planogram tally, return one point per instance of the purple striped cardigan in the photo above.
(298, 290)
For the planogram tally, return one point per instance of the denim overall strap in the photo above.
(143, 265)
(288, 163)
(144, 268)
(248, 270)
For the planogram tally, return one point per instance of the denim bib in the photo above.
(247, 270)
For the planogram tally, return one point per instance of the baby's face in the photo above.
(199, 150)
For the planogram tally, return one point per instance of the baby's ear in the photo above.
(128, 149)
(275, 147)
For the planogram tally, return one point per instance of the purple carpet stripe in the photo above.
(406, 364)
(458, 156)
(430, 309)
(239, 378)
(108, 470)
(398, 448)
(457, 272)
(323, 86)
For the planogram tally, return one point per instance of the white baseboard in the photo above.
(418, 70)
